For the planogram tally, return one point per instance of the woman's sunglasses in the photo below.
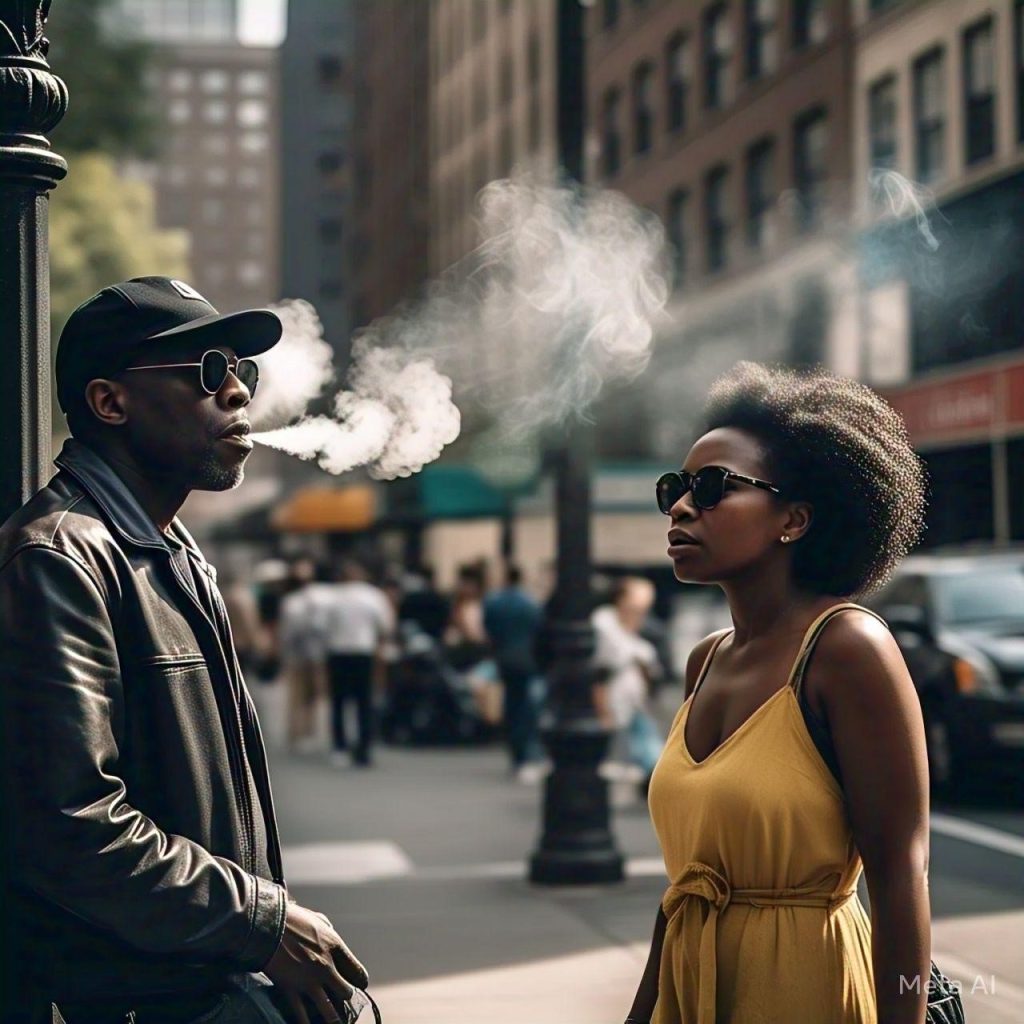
(707, 486)
(213, 371)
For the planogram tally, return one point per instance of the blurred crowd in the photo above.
(363, 655)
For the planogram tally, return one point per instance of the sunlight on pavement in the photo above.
(586, 988)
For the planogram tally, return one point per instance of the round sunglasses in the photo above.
(707, 486)
(214, 368)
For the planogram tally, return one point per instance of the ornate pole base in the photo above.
(577, 846)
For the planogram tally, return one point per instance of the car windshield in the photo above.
(980, 596)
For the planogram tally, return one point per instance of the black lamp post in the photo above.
(576, 846)
(32, 101)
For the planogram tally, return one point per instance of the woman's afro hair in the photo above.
(834, 443)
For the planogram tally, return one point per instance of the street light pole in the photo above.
(32, 101)
(577, 846)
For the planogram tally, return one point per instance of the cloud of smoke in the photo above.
(561, 297)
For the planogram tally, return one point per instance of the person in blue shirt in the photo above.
(511, 620)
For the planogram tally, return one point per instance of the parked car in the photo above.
(959, 621)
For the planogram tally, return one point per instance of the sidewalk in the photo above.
(420, 863)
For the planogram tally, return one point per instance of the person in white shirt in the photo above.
(358, 618)
(628, 664)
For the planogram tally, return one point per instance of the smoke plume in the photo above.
(561, 297)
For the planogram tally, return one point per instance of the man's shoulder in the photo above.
(61, 517)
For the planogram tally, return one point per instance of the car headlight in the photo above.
(974, 672)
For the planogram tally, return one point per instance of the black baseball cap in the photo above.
(104, 333)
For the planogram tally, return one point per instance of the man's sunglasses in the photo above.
(214, 369)
(707, 486)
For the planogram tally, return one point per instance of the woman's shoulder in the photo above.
(698, 656)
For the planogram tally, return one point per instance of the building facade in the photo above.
(940, 99)
(732, 121)
(317, 162)
(216, 174)
(392, 177)
(492, 108)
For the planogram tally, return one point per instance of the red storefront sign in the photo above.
(968, 406)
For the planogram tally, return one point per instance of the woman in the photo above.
(783, 774)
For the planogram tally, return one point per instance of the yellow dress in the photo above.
(764, 922)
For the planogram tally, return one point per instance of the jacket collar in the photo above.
(115, 499)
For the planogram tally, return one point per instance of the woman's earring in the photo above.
(785, 538)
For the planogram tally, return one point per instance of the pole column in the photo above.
(32, 101)
(577, 846)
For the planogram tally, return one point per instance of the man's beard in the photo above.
(213, 475)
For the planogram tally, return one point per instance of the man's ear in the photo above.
(108, 401)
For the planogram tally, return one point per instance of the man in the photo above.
(358, 618)
(511, 619)
(142, 867)
(426, 606)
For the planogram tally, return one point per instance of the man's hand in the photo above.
(313, 962)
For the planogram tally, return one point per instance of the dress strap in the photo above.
(719, 637)
(796, 675)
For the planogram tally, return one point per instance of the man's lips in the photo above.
(237, 434)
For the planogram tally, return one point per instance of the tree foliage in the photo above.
(111, 107)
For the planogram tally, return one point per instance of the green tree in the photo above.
(111, 107)
(103, 229)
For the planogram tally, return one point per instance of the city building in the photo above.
(939, 98)
(731, 121)
(216, 173)
(317, 162)
(392, 177)
(176, 21)
(492, 108)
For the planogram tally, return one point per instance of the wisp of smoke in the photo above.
(561, 297)
(905, 197)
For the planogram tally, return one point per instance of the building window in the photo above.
(253, 142)
(716, 218)
(810, 23)
(252, 83)
(215, 111)
(882, 123)
(506, 84)
(762, 38)
(678, 72)
(507, 147)
(214, 81)
(760, 192)
(329, 72)
(534, 126)
(330, 230)
(212, 211)
(252, 113)
(609, 13)
(216, 176)
(250, 273)
(480, 97)
(979, 92)
(877, 6)
(717, 52)
(1018, 16)
(179, 80)
(533, 58)
(643, 112)
(179, 111)
(611, 116)
(249, 177)
(929, 117)
(678, 204)
(480, 11)
(810, 167)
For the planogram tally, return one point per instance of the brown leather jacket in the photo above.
(131, 865)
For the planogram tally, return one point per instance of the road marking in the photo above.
(344, 863)
(1004, 998)
(980, 835)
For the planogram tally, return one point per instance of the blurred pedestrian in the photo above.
(803, 765)
(628, 665)
(358, 620)
(142, 868)
(302, 641)
(465, 636)
(511, 620)
(252, 643)
(426, 606)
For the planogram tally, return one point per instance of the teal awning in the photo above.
(457, 492)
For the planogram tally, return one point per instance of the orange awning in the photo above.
(327, 510)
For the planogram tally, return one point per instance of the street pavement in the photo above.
(420, 863)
